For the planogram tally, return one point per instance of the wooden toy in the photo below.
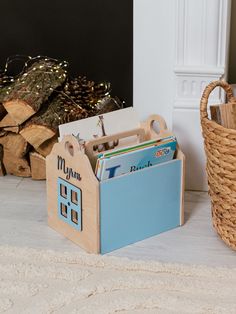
(104, 216)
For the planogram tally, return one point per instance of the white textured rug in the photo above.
(33, 281)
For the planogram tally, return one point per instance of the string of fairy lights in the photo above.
(75, 94)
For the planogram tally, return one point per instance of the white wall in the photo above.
(154, 50)
(179, 47)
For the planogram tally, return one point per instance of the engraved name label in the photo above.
(61, 165)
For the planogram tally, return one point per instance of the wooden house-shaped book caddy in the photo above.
(103, 216)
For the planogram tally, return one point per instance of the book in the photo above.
(105, 124)
(135, 158)
(123, 150)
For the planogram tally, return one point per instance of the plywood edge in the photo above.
(99, 218)
(180, 155)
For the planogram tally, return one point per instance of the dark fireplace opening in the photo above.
(94, 36)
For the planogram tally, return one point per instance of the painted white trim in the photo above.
(197, 63)
(190, 104)
(199, 71)
(189, 67)
(179, 47)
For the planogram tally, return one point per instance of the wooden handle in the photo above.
(151, 132)
(209, 88)
(157, 118)
(70, 145)
(89, 146)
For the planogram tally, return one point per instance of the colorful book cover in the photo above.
(124, 150)
(135, 160)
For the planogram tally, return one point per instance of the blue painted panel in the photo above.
(71, 203)
(139, 205)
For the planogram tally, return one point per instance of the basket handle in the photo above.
(207, 91)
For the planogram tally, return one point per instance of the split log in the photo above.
(2, 168)
(36, 135)
(2, 133)
(8, 124)
(38, 166)
(31, 90)
(14, 129)
(15, 165)
(46, 147)
(3, 111)
(15, 144)
(44, 125)
(7, 121)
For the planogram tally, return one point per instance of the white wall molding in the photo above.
(199, 71)
(201, 36)
(179, 47)
(201, 46)
(202, 29)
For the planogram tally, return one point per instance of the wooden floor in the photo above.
(23, 224)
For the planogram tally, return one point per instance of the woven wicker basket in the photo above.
(220, 148)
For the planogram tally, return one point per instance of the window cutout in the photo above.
(64, 210)
(74, 197)
(63, 190)
(69, 204)
(74, 216)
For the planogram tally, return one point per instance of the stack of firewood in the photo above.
(31, 108)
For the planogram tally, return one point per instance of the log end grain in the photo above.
(15, 165)
(19, 110)
(15, 144)
(36, 135)
(46, 148)
(38, 166)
